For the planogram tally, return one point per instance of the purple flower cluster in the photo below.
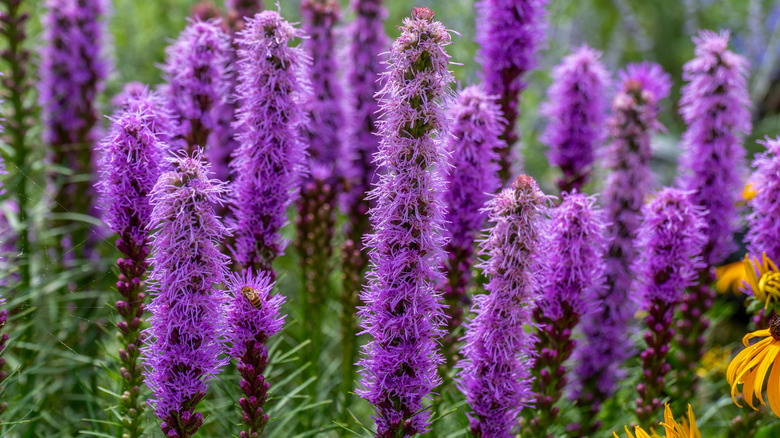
(198, 82)
(509, 33)
(764, 232)
(270, 160)
(402, 312)
(499, 350)
(627, 158)
(476, 126)
(150, 105)
(182, 354)
(576, 113)
(253, 317)
(714, 104)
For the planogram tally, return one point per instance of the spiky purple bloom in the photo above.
(150, 105)
(132, 159)
(627, 158)
(670, 241)
(402, 312)
(509, 33)
(715, 106)
(198, 76)
(185, 340)
(253, 317)
(575, 108)
(499, 350)
(764, 232)
(572, 275)
(476, 126)
(269, 163)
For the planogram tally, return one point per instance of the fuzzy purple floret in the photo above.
(137, 97)
(576, 112)
(368, 42)
(198, 75)
(715, 106)
(270, 161)
(325, 108)
(670, 242)
(132, 158)
(499, 350)
(763, 235)
(72, 72)
(627, 158)
(402, 313)
(184, 350)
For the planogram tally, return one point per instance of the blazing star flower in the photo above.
(138, 98)
(182, 354)
(672, 429)
(402, 313)
(763, 234)
(576, 112)
(198, 82)
(253, 317)
(749, 368)
(509, 33)
(499, 350)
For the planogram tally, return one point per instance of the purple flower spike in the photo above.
(576, 113)
(476, 127)
(137, 98)
(269, 163)
(402, 312)
(253, 317)
(499, 350)
(186, 337)
(573, 277)
(627, 158)
(670, 241)
(198, 82)
(509, 33)
(764, 233)
(715, 105)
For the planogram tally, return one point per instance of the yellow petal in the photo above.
(773, 390)
(693, 430)
(747, 388)
(771, 354)
(756, 334)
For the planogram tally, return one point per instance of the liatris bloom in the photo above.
(72, 74)
(182, 352)
(763, 234)
(749, 368)
(498, 354)
(132, 158)
(634, 119)
(670, 241)
(150, 106)
(573, 278)
(402, 313)
(253, 317)
(509, 33)
(715, 106)
(476, 127)
(198, 82)
(270, 160)
(367, 44)
(672, 429)
(576, 112)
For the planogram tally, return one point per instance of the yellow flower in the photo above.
(748, 193)
(763, 279)
(729, 277)
(751, 365)
(715, 360)
(688, 428)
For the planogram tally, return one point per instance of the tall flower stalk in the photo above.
(670, 240)
(182, 353)
(402, 312)
(572, 275)
(715, 106)
(763, 234)
(576, 112)
(499, 351)
(509, 33)
(633, 121)
(253, 317)
(367, 44)
(132, 158)
(198, 82)
(269, 163)
(476, 126)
